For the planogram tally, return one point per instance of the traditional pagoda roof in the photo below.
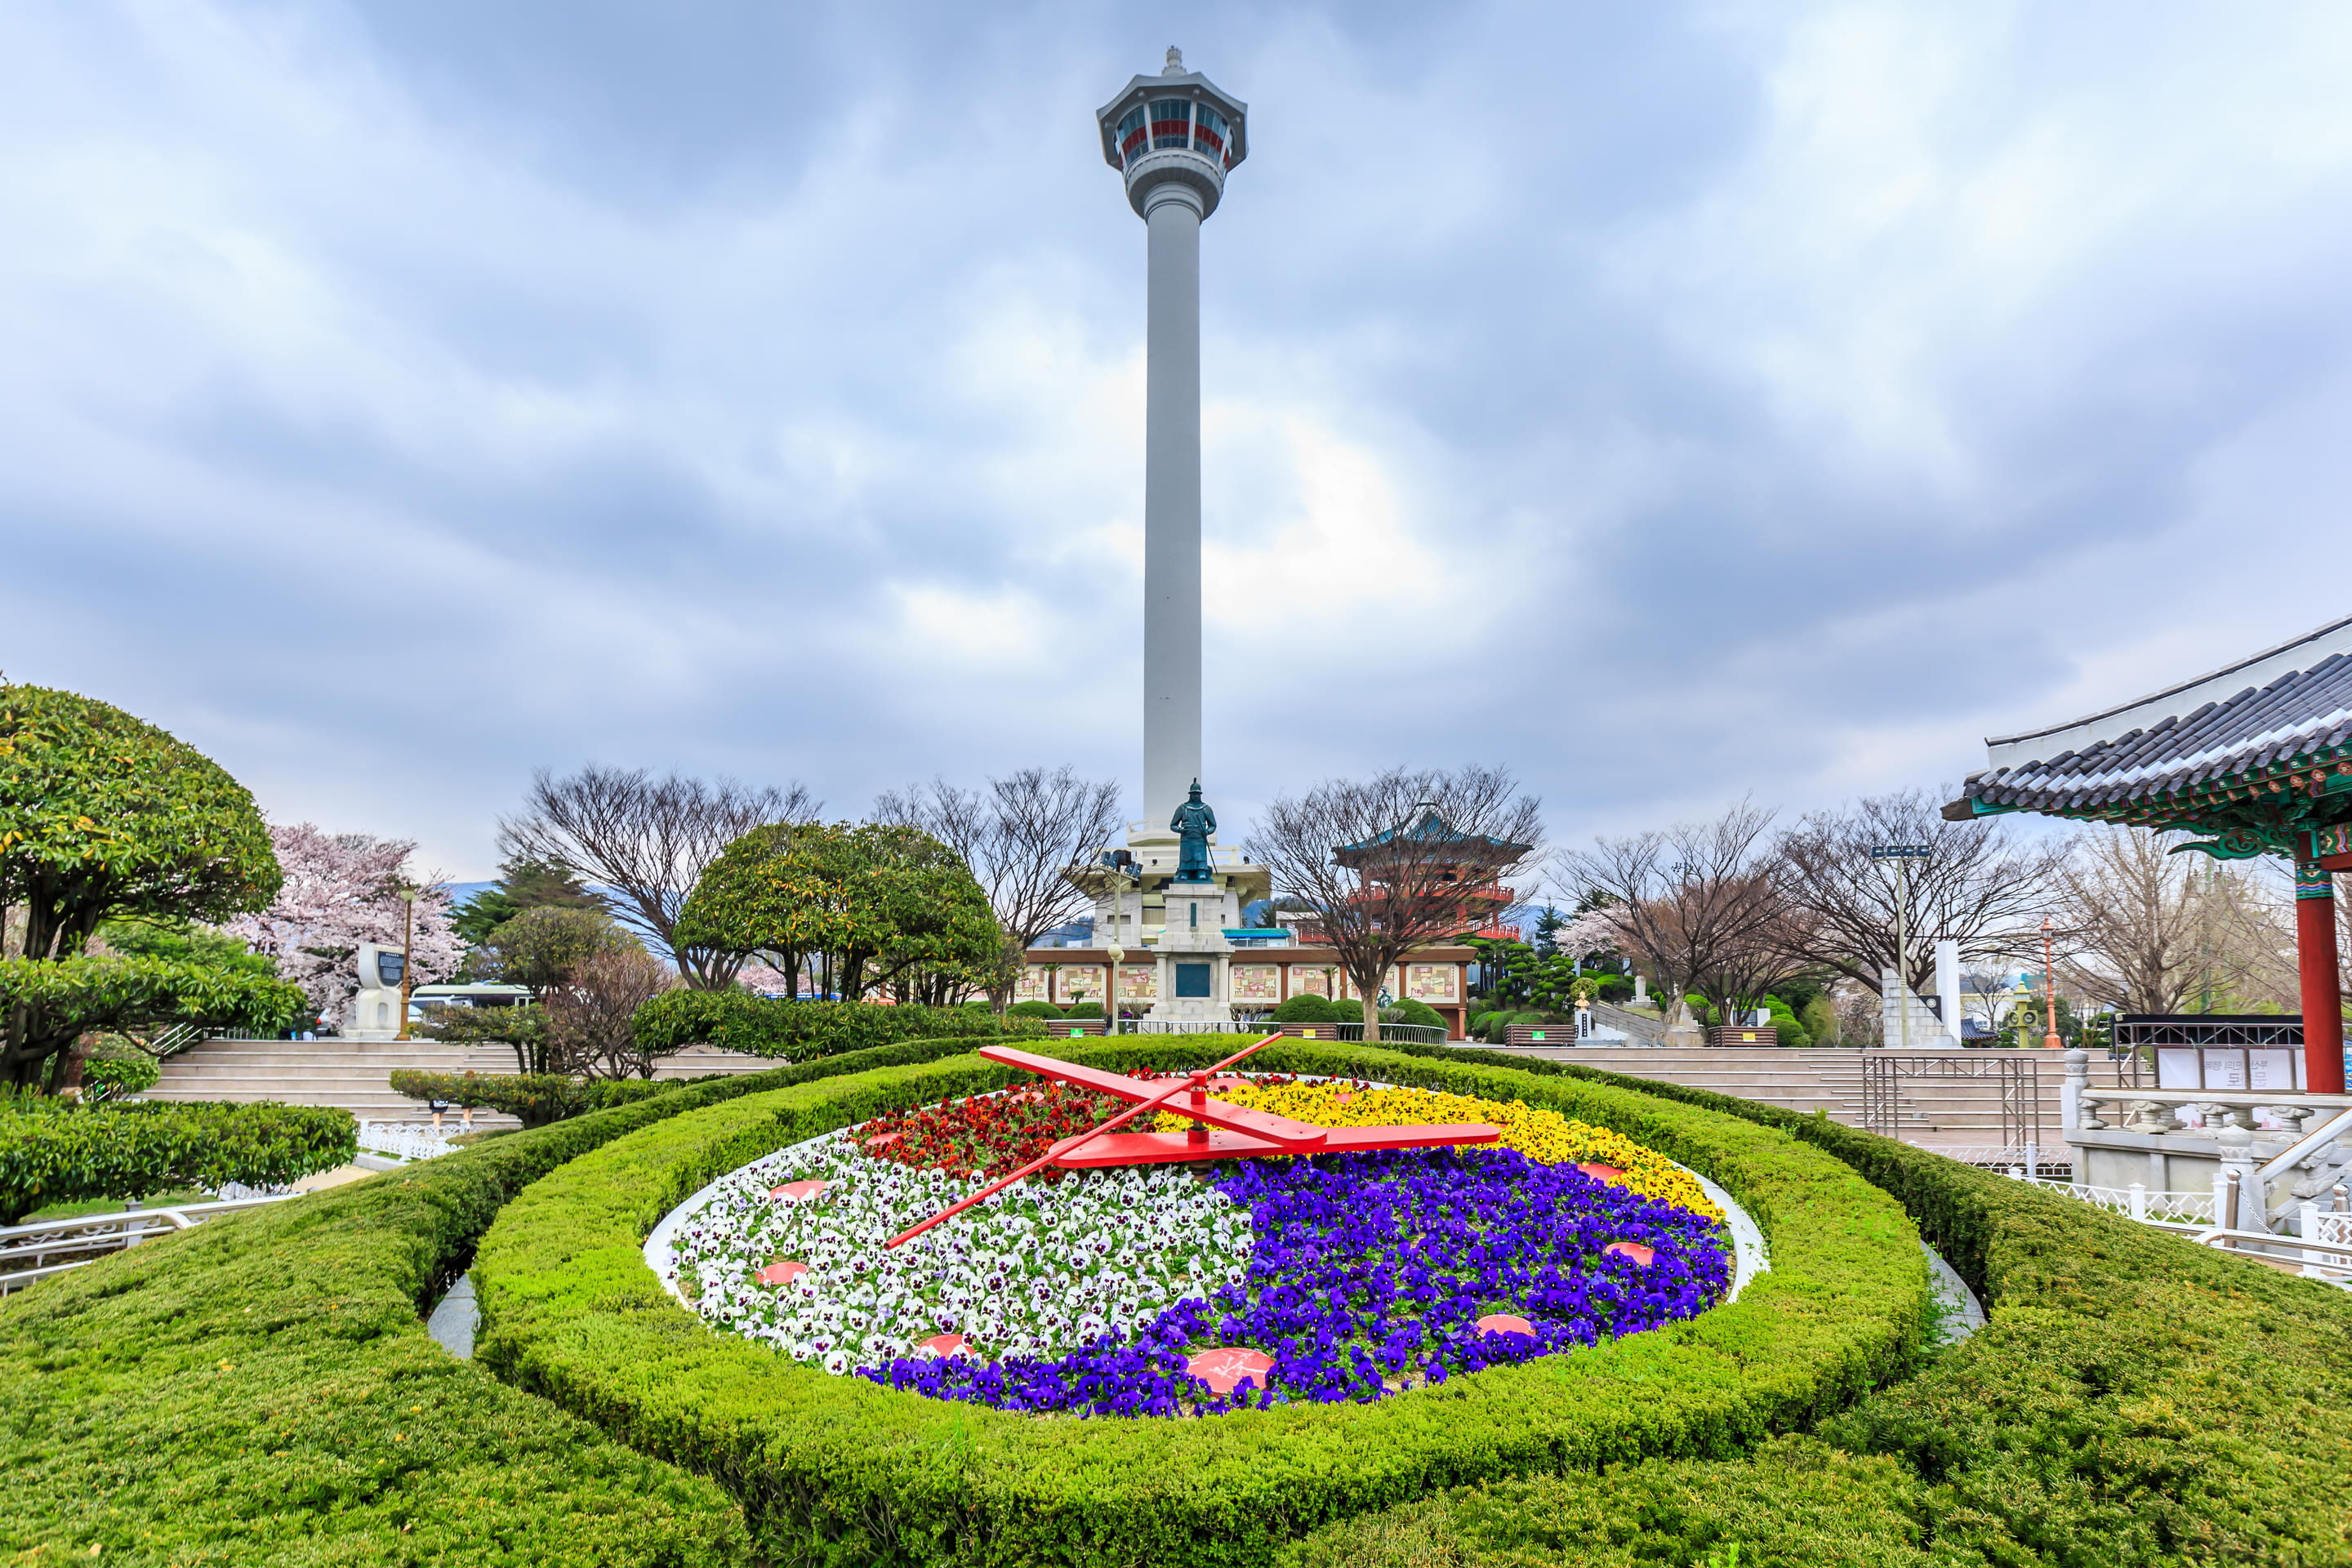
(1426, 828)
(2257, 752)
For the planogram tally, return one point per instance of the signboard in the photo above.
(1031, 986)
(1138, 982)
(1256, 982)
(1901, 851)
(1079, 983)
(1306, 981)
(2255, 1068)
(1429, 981)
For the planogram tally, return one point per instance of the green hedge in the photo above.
(2133, 1400)
(837, 1470)
(736, 1020)
(260, 1389)
(532, 1099)
(53, 1151)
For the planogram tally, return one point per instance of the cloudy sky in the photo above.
(1668, 402)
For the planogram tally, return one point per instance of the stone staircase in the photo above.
(356, 1074)
(1932, 1112)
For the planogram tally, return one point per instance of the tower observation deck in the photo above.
(1175, 137)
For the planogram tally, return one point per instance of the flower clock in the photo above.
(1173, 1286)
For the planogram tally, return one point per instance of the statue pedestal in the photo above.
(375, 1014)
(1195, 959)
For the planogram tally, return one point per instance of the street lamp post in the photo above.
(407, 968)
(2050, 1041)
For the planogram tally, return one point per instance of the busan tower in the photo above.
(1175, 137)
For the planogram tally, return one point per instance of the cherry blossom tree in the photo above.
(343, 889)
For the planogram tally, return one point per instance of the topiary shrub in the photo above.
(800, 1031)
(119, 1076)
(2052, 1435)
(104, 816)
(1305, 1008)
(53, 1151)
(261, 1389)
(1083, 1010)
(1035, 1010)
(532, 1099)
(1421, 1014)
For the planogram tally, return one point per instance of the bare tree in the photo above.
(641, 843)
(589, 1017)
(1018, 836)
(2151, 932)
(1983, 885)
(1383, 866)
(1699, 904)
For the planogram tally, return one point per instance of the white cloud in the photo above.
(1670, 404)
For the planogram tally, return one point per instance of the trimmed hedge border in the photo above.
(735, 1020)
(57, 1152)
(261, 1389)
(2133, 1400)
(838, 1471)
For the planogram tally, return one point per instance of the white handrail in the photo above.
(2308, 1144)
(42, 1239)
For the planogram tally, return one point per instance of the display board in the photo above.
(1257, 983)
(1078, 983)
(2250, 1068)
(1429, 981)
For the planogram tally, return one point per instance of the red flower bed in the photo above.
(997, 1134)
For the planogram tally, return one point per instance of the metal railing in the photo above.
(405, 1139)
(2137, 1202)
(2016, 1081)
(2029, 1159)
(33, 1252)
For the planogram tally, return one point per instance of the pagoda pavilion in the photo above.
(2254, 759)
(1459, 874)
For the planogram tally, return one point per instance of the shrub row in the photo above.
(54, 1151)
(532, 1099)
(837, 1470)
(260, 1389)
(736, 1020)
(2134, 1400)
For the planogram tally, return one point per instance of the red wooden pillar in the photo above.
(2322, 988)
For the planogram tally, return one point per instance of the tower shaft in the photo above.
(1174, 137)
(1171, 504)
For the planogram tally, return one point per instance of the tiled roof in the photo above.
(2242, 727)
(1431, 829)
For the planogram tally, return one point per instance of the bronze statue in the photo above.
(1192, 823)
